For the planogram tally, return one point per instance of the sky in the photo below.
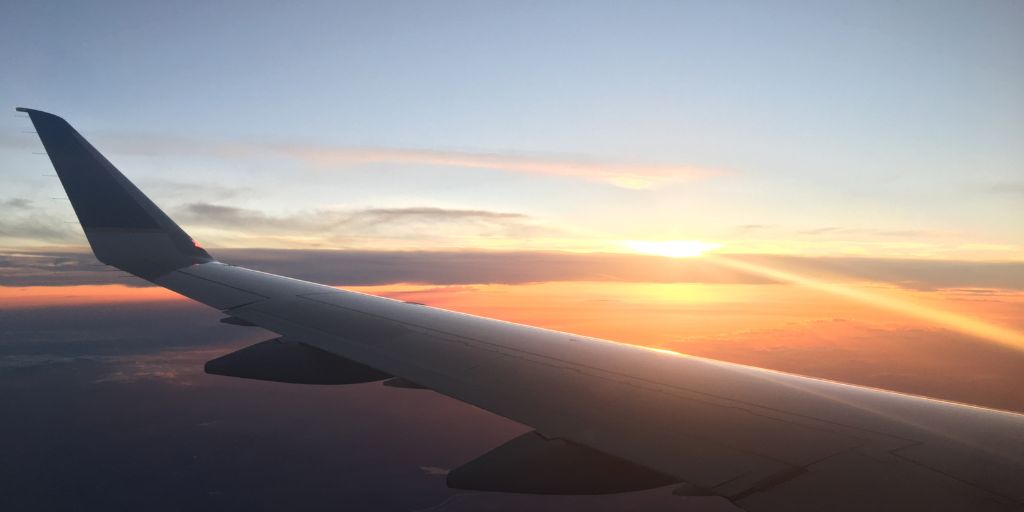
(834, 189)
(868, 128)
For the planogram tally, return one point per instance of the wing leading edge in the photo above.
(767, 440)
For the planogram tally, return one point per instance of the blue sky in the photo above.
(800, 127)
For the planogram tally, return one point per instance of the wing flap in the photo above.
(533, 464)
(280, 360)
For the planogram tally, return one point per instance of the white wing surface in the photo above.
(608, 417)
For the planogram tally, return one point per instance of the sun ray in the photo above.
(967, 325)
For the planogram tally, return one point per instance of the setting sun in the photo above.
(671, 248)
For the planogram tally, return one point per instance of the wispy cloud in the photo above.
(350, 227)
(752, 227)
(23, 220)
(622, 173)
(1010, 187)
(318, 219)
(631, 175)
(873, 232)
(839, 231)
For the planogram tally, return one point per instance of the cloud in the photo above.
(22, 219)
(341, 227)
(198, 191)
(221, 215)
(839, 230)
(818, 232)
(53, 268)
(358, 268)
(1010, 187)
(16, 202)
(387, 214)
(621, 174)
(387, 267)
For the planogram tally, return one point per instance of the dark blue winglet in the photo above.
(124, 228)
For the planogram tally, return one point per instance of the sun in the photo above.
(671, 248)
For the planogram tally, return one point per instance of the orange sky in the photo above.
(787, 326)
(55, 296)
(670, 311)
(784, 327)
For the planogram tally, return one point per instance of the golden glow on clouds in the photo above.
(659, 313)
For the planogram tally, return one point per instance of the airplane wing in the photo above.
(608, 417)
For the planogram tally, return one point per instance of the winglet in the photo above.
(124, 228)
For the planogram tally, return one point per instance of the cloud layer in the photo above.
(352, 268)
(318, 220)
(25, 220)
(333, 227)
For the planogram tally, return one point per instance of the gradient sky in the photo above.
(862, 160)
(852, 170)
(798, 127)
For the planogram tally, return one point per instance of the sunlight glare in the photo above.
(965, 324)
(671, 248)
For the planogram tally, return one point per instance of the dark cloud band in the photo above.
(353, 268)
